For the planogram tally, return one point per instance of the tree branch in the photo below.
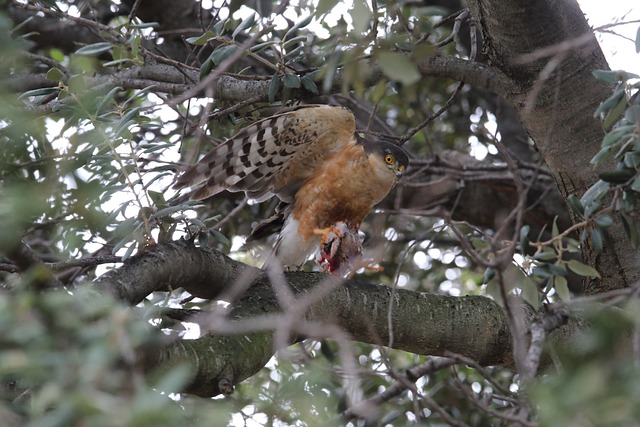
(238, 344)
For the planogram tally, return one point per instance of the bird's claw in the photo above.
(340, 248)
(325, 232)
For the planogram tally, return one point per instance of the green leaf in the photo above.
(39, 92)
(398, 67)
(291, 81)
(247, 23)
(274, 87)
(554, 227)
(594, 192)
(618, 176)
(135, 46)
(632, 160)
(55, 74)
(541, 272)
(633, 114)
(561, 286)
(166, 212)
(293, 53)
(262, 46)
(203, 239)
(596, 239)
(573, 245)
(144, 25)
(141, 94)
(329, 71)
(630, 229)
(157, 197)
(300, 24)
(128, 116)
(129, 251)
(206, 68)
(611, 101)
(601, 156)
(615, 113)
(299, 39)
(604, 221)
(174, 380)
(218, 28)
(582, 269)
(55, 54)
(361, 16)
(94, 49)
(325, 6)
(607, 76)
(557, 269)
(524, 240)
(202, 39)
(222, 53)
(118, 62)
(616, 134)
(120, 245)
(478, 244)
(575, 205)
(107, 98)
(309, 84)
(220, 237)
(489, 273)
(545, 256)
(196, 222)
(530, 292)
(635, 185)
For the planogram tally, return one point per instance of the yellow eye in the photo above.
(389, 159)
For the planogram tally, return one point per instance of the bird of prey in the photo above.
(310, 158)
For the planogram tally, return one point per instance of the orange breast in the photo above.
(344, 188)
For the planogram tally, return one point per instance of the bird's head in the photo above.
(385, 155)
(395, 158)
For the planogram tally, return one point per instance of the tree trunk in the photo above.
(556, 98)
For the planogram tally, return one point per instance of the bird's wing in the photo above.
(272, 156)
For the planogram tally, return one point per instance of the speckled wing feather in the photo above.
(272, 156)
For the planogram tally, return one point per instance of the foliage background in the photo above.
(97, 119)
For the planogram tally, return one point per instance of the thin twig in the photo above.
(430, 366)
(224, 66)
(411, 132)
(464, 14)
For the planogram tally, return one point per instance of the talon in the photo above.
(324, 232)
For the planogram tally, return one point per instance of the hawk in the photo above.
(310, 158)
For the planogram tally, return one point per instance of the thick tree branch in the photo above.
(48, 31)
(229, 88)
(167, 267)
(237, 345)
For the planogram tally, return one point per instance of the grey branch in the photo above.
(237, 344)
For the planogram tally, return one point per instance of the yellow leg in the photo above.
(324, 232)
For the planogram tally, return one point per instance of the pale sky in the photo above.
(620, 52)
